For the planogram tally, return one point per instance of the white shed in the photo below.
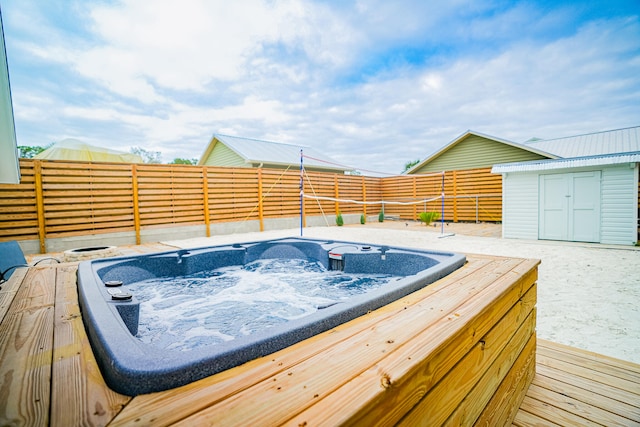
(581, 199)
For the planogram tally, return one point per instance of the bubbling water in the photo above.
(187, 312)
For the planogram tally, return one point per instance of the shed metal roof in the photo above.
(574, 162)
(624, 140)
(277, 153)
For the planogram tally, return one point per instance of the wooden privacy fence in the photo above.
(469, 195)
(60, 199)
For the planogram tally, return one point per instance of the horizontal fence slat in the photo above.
(87, 228)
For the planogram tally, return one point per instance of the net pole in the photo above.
(301, 190)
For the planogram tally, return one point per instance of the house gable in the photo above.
(221, 155)
(473, 151)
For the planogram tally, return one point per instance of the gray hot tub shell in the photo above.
(132, 367)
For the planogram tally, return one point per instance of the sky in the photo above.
(372, 84)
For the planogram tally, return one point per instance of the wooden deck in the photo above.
(48, 375)
(574, 387)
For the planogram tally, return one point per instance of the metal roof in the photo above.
(575, 162)
(277, 153)
(592, 144)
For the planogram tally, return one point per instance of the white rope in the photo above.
(316, 197)
(384, 202)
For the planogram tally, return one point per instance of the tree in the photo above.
(147, 156)
(410, 164)
(29, 151)
(179, 161)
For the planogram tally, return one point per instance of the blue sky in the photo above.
(373, 84)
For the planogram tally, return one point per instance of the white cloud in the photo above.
(572, 85)
(118, 71)
(180, 46)
(144, 47)
(166, 76)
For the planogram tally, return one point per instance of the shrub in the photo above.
(381, 216)
(429, 217)
(339, 220)
(363, 220)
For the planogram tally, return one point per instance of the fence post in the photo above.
(260, 208)
(37, 169)
(136, 207)
(205, 199)
(455, 196)
(364, 197)
(336, 193)
(415, 207)
(476, 208)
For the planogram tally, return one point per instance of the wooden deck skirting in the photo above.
(460, 351)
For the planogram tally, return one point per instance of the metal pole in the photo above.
(301, 191)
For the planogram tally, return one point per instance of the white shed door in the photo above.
(570, 207)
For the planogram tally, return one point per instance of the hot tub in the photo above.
(111, 309)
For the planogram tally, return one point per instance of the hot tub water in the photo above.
(211, 307)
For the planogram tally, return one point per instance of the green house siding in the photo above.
(475, 152)
(221, 155)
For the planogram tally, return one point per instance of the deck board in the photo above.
(9, 290)
(48, 375)
(573, 386)
(78, 392)
(26, 344)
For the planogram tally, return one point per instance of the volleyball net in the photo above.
(435, 201)
(318, 195)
